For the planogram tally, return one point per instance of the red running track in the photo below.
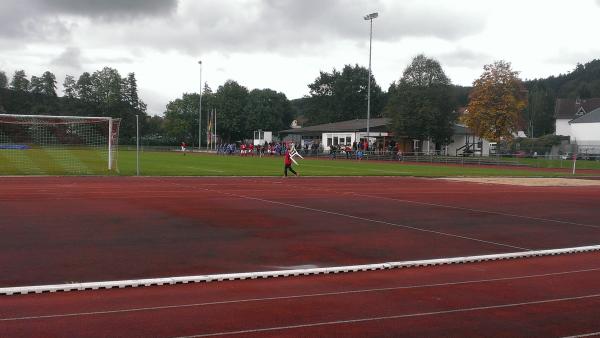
(552, 296)
(86, 229)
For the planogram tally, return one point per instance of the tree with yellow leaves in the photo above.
(496, 102)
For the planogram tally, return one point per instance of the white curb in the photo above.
(286, 273)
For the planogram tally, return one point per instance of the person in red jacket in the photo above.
(288, 164)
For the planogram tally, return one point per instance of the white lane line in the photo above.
(591, 334)
(356, 217)
(364, 219)
(310, 295)
(370, 319)
(451, 207)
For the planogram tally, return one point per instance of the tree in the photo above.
(84, 87)
(268, 110)
(181, 118)
(421, 105)
(339, 96)
(496, 103)
(19, 81)
(70, 87)
(539, 114)
(3, 80)
(424, 72)
(130, 93)
(230, 101)
(48, 83)
(36, 85)
(106, 86)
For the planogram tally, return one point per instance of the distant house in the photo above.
(568, 110)
(580, 120)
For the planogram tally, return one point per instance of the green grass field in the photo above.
(175, 164)
(38, 162)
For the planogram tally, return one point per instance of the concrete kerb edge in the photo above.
(288, 273)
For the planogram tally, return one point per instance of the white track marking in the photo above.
(364, 219)
(452, 207)
(310, 295)
(371, 319)
(591, 334)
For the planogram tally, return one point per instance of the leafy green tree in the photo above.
(48, 83)
(19, 81)
(268, 110)
(496, 103)
(424, 72)
(421, 105)
(3, 80)
(106, 85)
(181, 119)
(36, 85)
(339, 96)
(70, 86)
(539, 114)
(130, 92)
(230, 100)
(85, 88)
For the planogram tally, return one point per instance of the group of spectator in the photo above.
(249, 149)
(356, 150)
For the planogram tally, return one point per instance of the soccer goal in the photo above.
(58, 145)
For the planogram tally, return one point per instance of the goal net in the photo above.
(58, 145)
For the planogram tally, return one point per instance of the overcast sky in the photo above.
(283, 44)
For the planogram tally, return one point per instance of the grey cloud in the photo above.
(291, 26)
(19, 22)
(44, 20)
(465, 58)
(108, 8)
(69, 58)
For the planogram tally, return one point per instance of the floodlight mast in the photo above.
(200, 110)
(369, 18)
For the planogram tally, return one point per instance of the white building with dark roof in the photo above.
(568, 110)
(464, 142)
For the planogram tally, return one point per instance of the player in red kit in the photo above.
(287, 160)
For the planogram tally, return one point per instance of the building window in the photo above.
(329, 141)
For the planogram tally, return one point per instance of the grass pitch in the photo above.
(194, 164)
(174, 163)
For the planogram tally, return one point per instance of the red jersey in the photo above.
(288, 159)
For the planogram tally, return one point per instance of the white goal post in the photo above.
(47, 144)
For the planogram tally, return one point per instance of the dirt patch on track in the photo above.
(530, 181)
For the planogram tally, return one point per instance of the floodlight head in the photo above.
(371, 16)
(200, 62)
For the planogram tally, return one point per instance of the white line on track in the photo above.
(591, 334)
(452, 207)
(409, 315)
(361, 218)
(310, 295)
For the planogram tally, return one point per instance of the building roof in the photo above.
(568, 108)
(461, 129)
(591, 117)
(343, 126)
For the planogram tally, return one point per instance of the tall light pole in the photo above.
(200, 110)
(370, 18)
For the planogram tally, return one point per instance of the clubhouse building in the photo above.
(381, 136)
